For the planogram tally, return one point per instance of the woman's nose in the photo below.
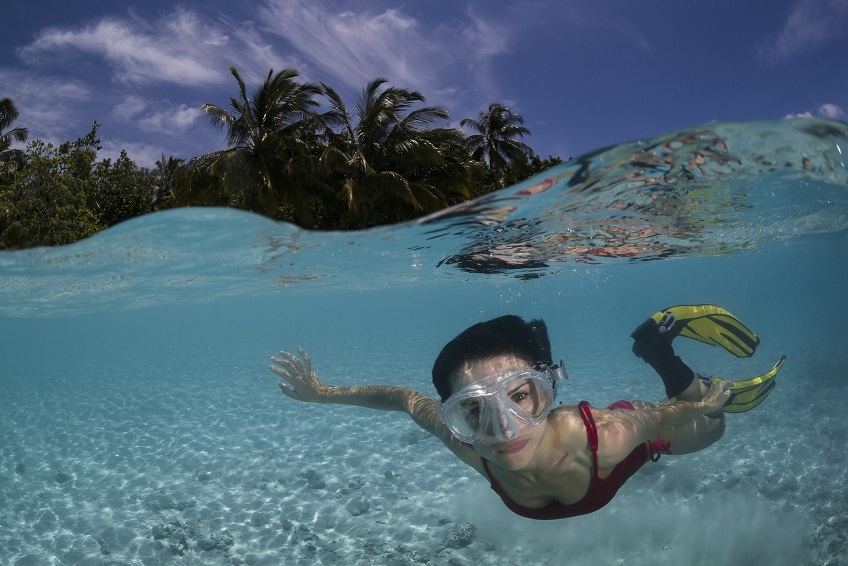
(503, 427)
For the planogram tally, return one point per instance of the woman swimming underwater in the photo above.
(497, 383)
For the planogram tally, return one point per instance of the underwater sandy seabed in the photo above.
(156, 436)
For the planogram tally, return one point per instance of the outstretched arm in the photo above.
(301, 382)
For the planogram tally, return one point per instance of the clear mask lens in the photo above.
(500, 406)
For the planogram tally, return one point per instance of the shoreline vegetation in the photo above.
(295, 152)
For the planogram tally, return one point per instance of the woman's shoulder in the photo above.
(565, 411)
(571, 412)
(569, 418)
(566, 420)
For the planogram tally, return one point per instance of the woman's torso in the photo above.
(568, 479)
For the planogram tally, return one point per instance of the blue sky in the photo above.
(584, 73)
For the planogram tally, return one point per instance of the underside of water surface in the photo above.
(719, 189)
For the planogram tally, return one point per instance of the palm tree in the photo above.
(263, 139)
(10, 158)
(385, 162)
(165, 180)
(495, 142)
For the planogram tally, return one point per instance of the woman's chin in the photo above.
(512, 454)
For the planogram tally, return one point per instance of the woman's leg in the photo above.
(699, 433)
(703, 431)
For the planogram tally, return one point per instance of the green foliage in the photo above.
(63, 194)
(487, 180)
(385, 162)
(10, 159)
(496, 139)
(122, 190)
(165, 179)
(390, 159)
(265, 134)
(525, 168)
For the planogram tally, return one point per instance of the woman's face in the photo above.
(517, 452)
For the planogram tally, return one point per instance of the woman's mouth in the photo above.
(512, 446)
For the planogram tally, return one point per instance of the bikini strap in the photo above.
(658, 448)
(592, 432)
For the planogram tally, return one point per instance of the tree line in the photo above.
(295, 152)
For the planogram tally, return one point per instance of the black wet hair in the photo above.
(507, 334)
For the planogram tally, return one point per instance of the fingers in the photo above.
(719, 392)
(296, 374)
(726, 392)
(288, 391)
(292, 364)
(282, 372)
(721, 385)
(292, 360)
(285, 365)
(306, 359)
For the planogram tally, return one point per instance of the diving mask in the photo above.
(502, 404)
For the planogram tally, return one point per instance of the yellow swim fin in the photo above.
(745, 395)
(708, 324)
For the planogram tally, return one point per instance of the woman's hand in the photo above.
(717, 395)
(302, 383)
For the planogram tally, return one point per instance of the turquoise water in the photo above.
(139, 425)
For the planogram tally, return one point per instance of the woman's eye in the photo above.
(520, 393)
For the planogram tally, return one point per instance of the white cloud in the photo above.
(256, 56)
(129, 108)
(142, 154)
(180, 48)
(480, 41)
(33, 88)
(485, 38)
(832, 111)
(357, 47)
(170, 121)
(811, 23)
(449, 60)
(47, 105)
(140, 53)
(799, 115)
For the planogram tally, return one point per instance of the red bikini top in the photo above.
(601, 490)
